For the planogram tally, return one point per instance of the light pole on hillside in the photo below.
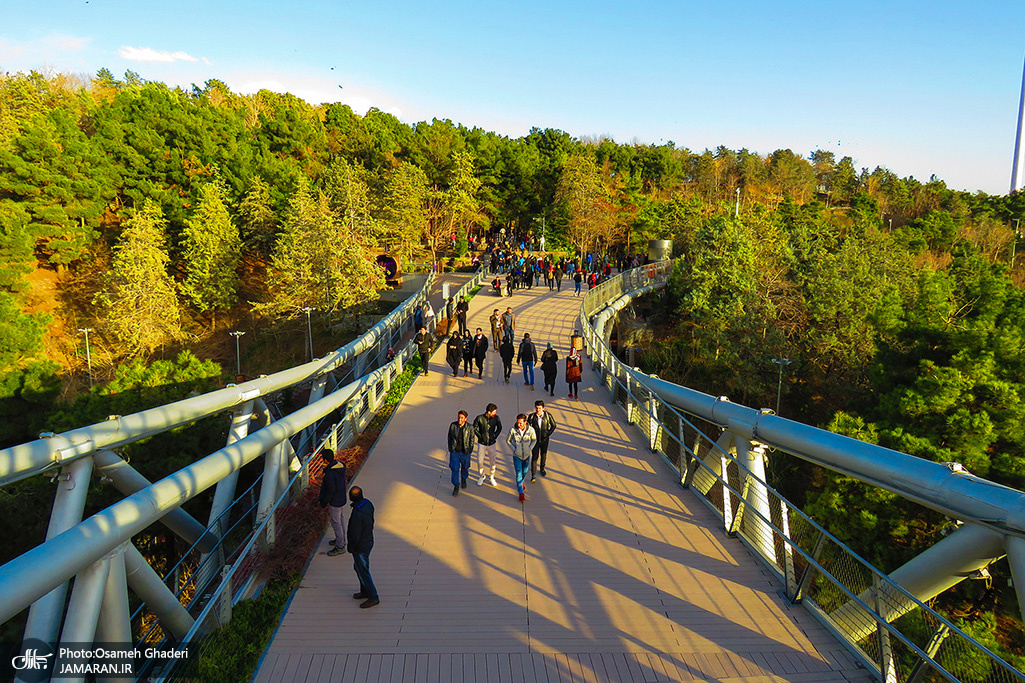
(238, 356)
(781, 362)
(309, 328)
(88, 355)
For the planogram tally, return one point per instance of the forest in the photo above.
(160, 218)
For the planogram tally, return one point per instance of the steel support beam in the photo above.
(933, 571)
(44, 617)
(752, 459)
(146, 584)
(128, 480)
(31, 575)
(113, 625)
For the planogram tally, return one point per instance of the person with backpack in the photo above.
(526, 357)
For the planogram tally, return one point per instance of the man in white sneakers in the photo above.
(487, 428)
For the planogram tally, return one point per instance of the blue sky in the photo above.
(921, 88)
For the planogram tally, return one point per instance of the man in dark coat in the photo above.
(361, 542)
(507, 351)
(480, 351)
(527, 356)
(332, 497)
(487, 427)
(544, 424)
(460, 448)
(423, 343)
(462, 308)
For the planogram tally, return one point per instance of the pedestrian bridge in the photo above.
(652, 551)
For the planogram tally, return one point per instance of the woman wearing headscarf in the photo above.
(467, 353)
(573, 365)
(550, 368)
(454, 352)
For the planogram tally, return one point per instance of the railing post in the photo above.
(789, 576)
(802, 585)
(887, 665)
(752, 459)
(113, 625)
(653, 422)
(727, 502)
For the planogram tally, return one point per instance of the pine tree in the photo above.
(138, 300)
(405, 208)
(319, 261)
(212, 248)
(257, 221)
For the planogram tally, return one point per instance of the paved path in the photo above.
(609, 571)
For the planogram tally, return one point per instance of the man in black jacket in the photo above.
(544, 424)
(480, 351)
(487, 428)
(507, 351)
(361, 542)
(332, 497)
(460, 447)
(423, 343)
(462, 308)
(527, 356)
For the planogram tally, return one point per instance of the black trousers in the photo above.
(539, 452)
(424, 359)
(508, 368)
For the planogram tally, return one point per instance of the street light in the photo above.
(736, 210)
(309, 329)
(88, 355)
(781, 362)
(238, 356)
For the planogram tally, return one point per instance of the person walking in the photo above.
(521, 440)
(496, 327)
(509, 324)
(550, 368)
(467, 353)
(506, 351)
(577, 279)
(332, 497)
(480, 351)
(361, 542)
(526, 357)
(487, 427)
(462, 308)
(460, 447)
(573, 365)
(558, 278)
(454, 352)
(423, 347)
(543, 424)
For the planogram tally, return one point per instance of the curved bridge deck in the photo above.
(609, 571)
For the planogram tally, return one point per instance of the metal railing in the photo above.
(895, 635)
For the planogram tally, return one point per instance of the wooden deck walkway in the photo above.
(609, 571)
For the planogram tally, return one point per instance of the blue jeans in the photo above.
(521, 467)
(459, 463)
(576, 287)
(361, 563)
(528, 372)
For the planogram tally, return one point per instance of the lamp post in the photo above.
(238, 356)
(88, 355)
(736, 210)
(309, 328)
(781, 362)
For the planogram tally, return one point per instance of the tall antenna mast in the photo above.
(1018, 169)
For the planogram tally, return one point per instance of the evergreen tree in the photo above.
(258, 224)
(212, 248)
(404, 210)
(138, 301)
(318, 261)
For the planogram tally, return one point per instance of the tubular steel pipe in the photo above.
(128, 480)
(44, 617)
(31, 575)
(146, 584)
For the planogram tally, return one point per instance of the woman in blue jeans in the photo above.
(521, 440)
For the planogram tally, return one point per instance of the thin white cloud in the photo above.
(28, 54)
(148, 54)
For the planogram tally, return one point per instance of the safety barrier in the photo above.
(893, 633)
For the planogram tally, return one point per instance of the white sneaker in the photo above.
(480, 482)
(493, 482)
